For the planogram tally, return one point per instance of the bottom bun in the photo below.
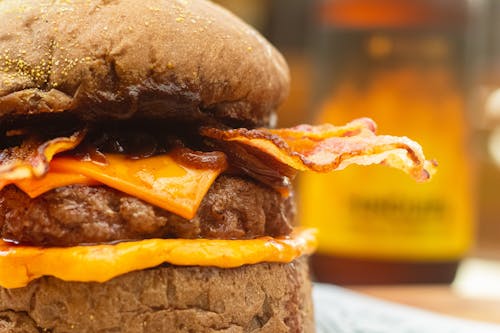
(265, 297)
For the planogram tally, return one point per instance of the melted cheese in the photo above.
(158, 180)
(36, 186)
(21, 264)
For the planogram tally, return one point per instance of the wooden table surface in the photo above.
(437, 298)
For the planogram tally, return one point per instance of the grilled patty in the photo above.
(234, 208)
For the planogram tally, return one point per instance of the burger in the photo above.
(143, 187)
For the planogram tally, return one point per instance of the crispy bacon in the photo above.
(325, 148)
(272, 156)
(31, 158)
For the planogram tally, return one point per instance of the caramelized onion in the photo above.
(199, 159)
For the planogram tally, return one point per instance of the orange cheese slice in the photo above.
(21, 264)
(36, 186)
(158, 180)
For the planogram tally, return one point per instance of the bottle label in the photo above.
(373, 212)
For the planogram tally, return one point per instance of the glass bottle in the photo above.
(402, 63)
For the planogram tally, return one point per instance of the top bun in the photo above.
(117, 59)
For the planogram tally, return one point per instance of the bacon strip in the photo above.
(32, 157)
(272, 156)
(325, 148)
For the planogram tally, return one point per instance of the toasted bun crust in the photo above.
(255, 298)
(125, 58)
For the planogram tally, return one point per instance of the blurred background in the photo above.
(427, 69)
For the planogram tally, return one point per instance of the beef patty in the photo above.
(234, 208)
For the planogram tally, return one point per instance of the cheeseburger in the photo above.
(143, 187)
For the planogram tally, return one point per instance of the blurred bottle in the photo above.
(401, 62)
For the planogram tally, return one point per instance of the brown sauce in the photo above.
(199, 159)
